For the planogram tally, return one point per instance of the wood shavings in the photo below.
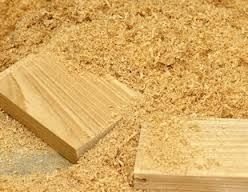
(188, 58)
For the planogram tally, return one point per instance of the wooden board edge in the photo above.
(188, 187)
(33, 125)
(219, 119)
(137, 171)
(150, 175)
(81, 150)
(153, 181)
(132, 93)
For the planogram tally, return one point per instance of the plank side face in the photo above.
(69, 113)
(221, 164)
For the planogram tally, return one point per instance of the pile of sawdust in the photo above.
(188, 58)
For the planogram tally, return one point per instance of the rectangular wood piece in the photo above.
(221, 164)
(69, 112)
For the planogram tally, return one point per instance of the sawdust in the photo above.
(188, 58)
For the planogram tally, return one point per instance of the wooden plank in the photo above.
(69, 112)
(222, 164)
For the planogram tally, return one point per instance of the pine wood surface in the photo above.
(225, 142)
(69, 113)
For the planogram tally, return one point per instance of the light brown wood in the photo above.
(70, 113)
(224, 141)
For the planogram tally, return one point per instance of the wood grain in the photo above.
(224, 141)
(69, 112)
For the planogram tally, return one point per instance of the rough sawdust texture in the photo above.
(188, 58)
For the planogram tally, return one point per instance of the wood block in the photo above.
(221, 165)
(70, 113)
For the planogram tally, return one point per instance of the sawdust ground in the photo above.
(188, 58)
